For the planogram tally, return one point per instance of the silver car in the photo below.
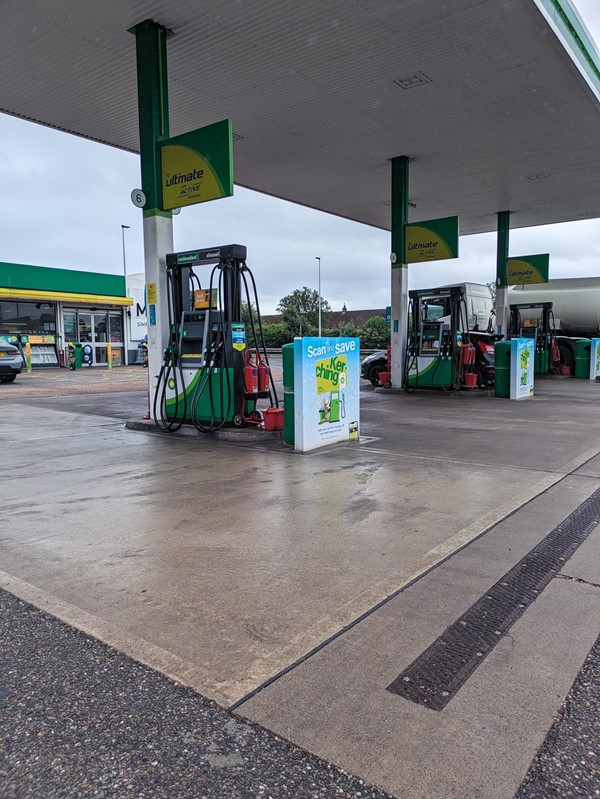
(11, 362)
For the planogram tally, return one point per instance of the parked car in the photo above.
(373, 365)
(11, 362)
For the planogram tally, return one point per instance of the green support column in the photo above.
(153, 109)
(502, 272)
(399, 283)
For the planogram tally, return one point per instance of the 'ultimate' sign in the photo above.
(432, 240)
(527, 269)
(197, 166)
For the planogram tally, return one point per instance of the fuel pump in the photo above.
(439, 350)
(540, 328)
(204, 379)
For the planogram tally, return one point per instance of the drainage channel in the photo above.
(440, 671)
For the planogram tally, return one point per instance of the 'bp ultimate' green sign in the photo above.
(197, 166)
(433, 240)
(527, 269)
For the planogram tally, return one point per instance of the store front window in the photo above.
(32, 322)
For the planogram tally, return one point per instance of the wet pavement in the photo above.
(295, 588)
(53, 382)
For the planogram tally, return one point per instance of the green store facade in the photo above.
(48, 308)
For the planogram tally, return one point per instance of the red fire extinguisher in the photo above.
(264, 377)
(251, 371)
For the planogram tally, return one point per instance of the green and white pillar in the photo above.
(153, 109)
(399, 268)
(502, 315)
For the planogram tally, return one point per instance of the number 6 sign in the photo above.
(138, 198)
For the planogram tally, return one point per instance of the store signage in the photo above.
(197, 166)
(138, 325)
(522, 363)
(527, 269)
(41, 339)
(595, 359)
(432, 240)
(326, 391)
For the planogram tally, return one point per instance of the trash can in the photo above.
(502, 366)
(288, 393)
(75, 355)
(582, 358)
(542, 362)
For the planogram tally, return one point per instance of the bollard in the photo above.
(28, 356)
(109, 354)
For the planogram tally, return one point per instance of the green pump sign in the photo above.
(432, 240)
(197, 166)
(527, 270)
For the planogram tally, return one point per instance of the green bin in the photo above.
(288, 394)
(502, 366)
(542, 362)
(582, 358)
(75, 355)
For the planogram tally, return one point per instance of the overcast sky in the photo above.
(65, 199)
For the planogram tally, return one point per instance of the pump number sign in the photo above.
(197, 166)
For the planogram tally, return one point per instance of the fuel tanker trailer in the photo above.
(574, 315)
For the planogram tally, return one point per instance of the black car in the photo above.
(11, 362)
(373, 365)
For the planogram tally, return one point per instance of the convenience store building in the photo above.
(50, 307)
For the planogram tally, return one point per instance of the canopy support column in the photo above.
(502, 273)
(399, 284)
(153, 110)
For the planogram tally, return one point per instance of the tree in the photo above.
(375, 333)
(300, 311)
(347, 330)
(249, 314)
(275, 335)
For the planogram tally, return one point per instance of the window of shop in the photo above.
(33, 322)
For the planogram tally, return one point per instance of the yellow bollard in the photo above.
(28, 356)
(109, 354)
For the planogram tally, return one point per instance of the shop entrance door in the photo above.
(94, 329)
(99, 328)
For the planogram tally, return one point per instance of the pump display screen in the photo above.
(434, 310)
(430, 339)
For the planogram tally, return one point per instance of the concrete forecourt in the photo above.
(294, 589)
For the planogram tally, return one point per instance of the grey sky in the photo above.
(65, 199)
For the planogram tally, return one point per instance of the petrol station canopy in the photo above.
(496, 103)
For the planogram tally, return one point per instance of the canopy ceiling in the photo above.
(496, 102)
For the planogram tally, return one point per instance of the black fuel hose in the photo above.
(171, 369)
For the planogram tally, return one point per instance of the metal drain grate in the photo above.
(437, 674)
